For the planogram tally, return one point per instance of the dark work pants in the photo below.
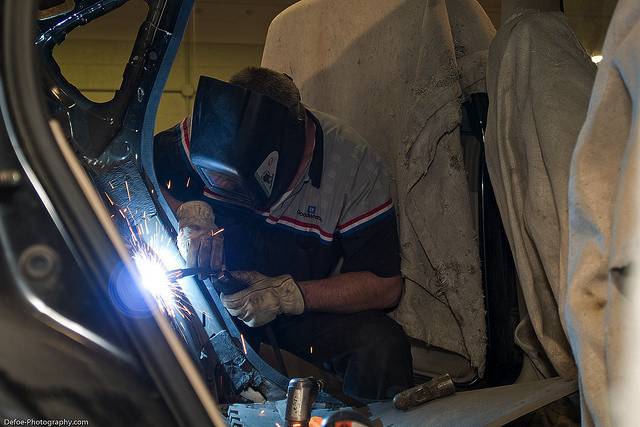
(368, 350)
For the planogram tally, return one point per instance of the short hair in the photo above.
(273, 84)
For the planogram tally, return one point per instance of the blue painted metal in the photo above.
(115, 142)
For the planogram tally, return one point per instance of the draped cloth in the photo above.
(539, 80)
(603, 218)
(398, 71)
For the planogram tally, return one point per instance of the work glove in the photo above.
(200, 241)
(264, 299)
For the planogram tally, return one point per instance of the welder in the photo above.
(308, 223)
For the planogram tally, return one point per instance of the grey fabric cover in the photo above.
(539, 80)
(603, 215)
(397, 71)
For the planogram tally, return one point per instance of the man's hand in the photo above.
(265, 299)
(199, 240)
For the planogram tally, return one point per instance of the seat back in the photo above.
(398, 71)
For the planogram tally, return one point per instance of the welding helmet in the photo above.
(245, 146)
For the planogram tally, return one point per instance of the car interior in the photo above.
(112, 142)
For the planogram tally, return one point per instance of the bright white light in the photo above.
(154, 279)
(154, 253)
(597, 58)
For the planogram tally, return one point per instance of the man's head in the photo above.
(248, 136)
(273, 84)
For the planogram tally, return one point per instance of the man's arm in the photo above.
(351, 293)
(368, 238)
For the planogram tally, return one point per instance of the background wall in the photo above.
(223, 37)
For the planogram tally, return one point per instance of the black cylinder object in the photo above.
(301, 395)
(438, 387)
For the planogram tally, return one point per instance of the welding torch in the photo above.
(180, 273)
(223, 282)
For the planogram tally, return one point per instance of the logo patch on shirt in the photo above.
(266, 173)
(310, 213)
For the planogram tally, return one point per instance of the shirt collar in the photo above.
(317, 160)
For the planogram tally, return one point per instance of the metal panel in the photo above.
(487, 407)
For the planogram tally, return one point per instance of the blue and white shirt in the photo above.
(342, 210)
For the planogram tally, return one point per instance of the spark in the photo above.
(278, 425)
(183, 308)
(208, 316)
(111, 184)
(109, 198)
(244, 345)
(126, 184)
(134, 239)
(188, 182)
(169, 185)
(311, 349)
(261, 413)
(154, 254)
(153, 279)
(215, 233)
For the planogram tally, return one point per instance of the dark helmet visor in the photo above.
(246, 147)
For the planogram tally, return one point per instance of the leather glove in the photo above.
(265, 299)
(197, 241)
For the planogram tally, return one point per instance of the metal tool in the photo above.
(301, 395)
(180, 273)
(436, 388)
(223, 282)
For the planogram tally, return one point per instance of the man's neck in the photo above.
(309, 145)
(307, 155)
